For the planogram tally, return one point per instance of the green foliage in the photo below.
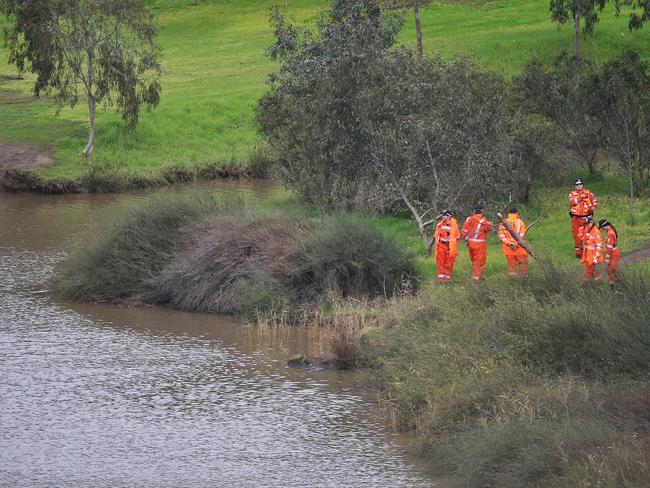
(360, 126)
(565, 95)
(622, 104)
(313, 113)
(563, 11)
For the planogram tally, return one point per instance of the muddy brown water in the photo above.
(97, 395)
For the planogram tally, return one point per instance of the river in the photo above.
(98, 395)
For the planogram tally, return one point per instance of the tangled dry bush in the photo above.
(227, 261)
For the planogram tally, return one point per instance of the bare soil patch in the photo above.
(16, 161)
(21, 156)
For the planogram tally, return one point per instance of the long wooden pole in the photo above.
(516, 236)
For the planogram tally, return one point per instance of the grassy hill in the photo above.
(216, 67)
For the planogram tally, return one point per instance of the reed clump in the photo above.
(127, 256)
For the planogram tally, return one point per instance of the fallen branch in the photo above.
(516, 236)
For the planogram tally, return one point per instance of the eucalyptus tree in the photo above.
(103, 50)
(565, 94)
(443, 142)
(317, 100)
(357, 125)
(586, 13)
(623, 94)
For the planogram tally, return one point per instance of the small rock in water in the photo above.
(298, 360)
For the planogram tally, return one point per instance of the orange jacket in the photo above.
(611, 241)
(519, 227)
(476, 228)
(592, 245)
(447, 233)
(582, 202)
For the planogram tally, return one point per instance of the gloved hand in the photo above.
(608, 258)
(595, 260)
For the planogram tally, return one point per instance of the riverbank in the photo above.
(539, 383)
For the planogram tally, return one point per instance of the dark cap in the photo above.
(447, 213)
(478, 208)
(577, 182)
(603, 223)
(513, 210)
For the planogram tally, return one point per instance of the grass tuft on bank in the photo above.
(126, 257)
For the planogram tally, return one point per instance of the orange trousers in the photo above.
(591, 272)
(576, 223)
(517, 261)
(444, 262)
(611, 266)
(478, 256)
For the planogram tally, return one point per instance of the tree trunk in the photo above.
(591, 163)
(631, 203)
(576, 30)
(418, 29)
(92, 110)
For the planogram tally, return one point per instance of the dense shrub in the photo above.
(230, 265)
(352, 259)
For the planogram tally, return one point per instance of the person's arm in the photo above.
(594, 202)
(502, 234)
(598, 241)
(454, 235)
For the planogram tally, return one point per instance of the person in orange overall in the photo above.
(612, 252)
(475, 230)
(583, 204)
(592, 250)
(446, 238)
(516, 256)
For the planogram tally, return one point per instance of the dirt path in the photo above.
(635, 256)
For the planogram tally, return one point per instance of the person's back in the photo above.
(516, 256)
(475, 231)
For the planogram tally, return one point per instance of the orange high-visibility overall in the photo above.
(446, 241)
(516, 256)
(612, 255)
(592, 252)
(475, 231)
(583, 203)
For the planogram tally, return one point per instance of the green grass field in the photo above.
(216, 67)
